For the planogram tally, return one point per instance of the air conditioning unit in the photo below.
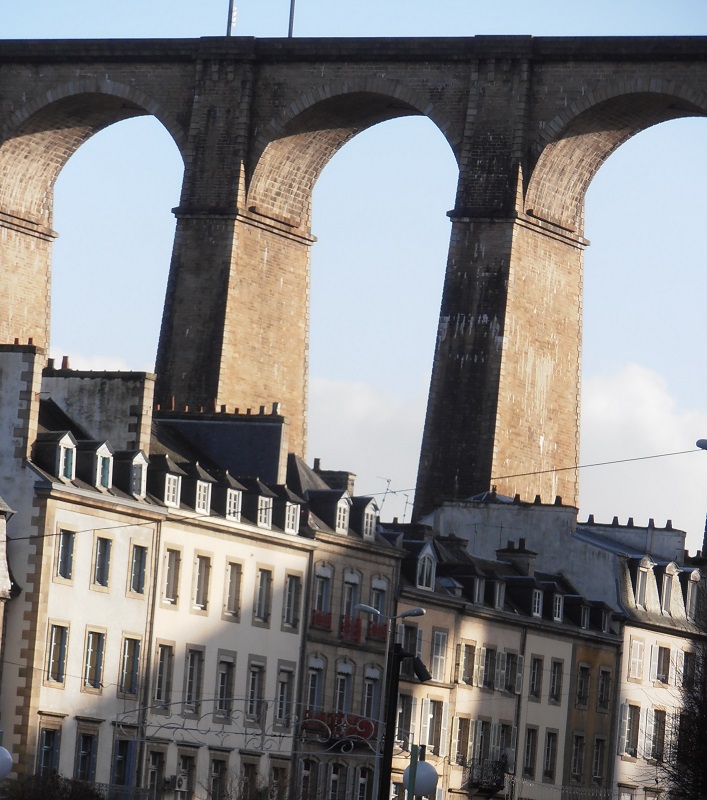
(181, 783)
(176, 783)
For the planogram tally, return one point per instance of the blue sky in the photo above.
(378, 264)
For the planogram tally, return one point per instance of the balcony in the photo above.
(339, 726)
(321, 620)
(350, 629)
(377, 631)
(484, 776)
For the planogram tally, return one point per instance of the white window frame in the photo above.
(291, 517)
(234, 504)
(202, 502)
(172, 490)
(558, 605)
(202, 573)
(537, 603)
(264, 512)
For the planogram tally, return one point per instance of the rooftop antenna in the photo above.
(292, 19)
(232, 12)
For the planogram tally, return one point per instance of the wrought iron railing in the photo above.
(321, 620)
(485, 774)
(350, 629)
(112, 792)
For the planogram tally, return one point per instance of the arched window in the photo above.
(426, 572)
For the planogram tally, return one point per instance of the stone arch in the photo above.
(573, 146)
(40, 137)
(295, 146)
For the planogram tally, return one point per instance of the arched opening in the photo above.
(113, 204)
(643, 375)
(379, 213)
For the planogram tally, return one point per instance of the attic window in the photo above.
(172, 486)
(265, 512)
(105, 471)
(558, 603)
(691, 596)
(641, 579)
(342, 516)
(667, 592)
(137, 480)
(585, 617)
(537, 608)
(67, 462)
(426, 572)
(479, 590)
(499, 594)
(203, 497)
(234, 499)
(369, 524)
(291, 514)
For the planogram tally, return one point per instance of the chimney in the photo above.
(523, 560)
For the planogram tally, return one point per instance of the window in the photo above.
(369, 524)
(577, 756)
(66, 462)
(337, 782)
(536, 678)
(598, 758)
(461, 741)
(379, 596)
(667, 592)
(636, 663)
(130, 666)
(585, 617)
(85, 765)
(163, 674)
(529, 753)
(217, 779)
(688, 670)
(513, 677)
(138, 568)
(439, 655)
(65, 555)
(660, 664)
(436, 721)
(558, 602)
(467, 654)
(101, 566)
(342, 688)
(322, 593)
(363, 784)
(283, 699)
(124, 762)
(234, 501)
(48, 755)
(604, 690)
(550, 755)
(293, 593)
(641, 579)
(410, 637)
(537, 603)
(291, 517)
(203, 497)
(224, 686)
(583, 678)
(425, 572)
(278, 782)
(172, 486)
(137, 480)
(407, 715)
(93, 664)
(155, 772)
(315, 683)
(488, 667)
(499, 594)
(479, 590)
(186, 768)
(556, 681)
(193, 681)
(234, 575)
(201, 585)
(173, 561)
(630, 722)
(256, 681)
(56, 657)
(691, 599)
(105, 469)
(351, 594)
(342, 516)
(263, 596)
(265, 512)
(371, 693)
(656, 737)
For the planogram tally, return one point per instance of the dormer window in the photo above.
(605, 621)
(499, 594)
(265, 512)
(667, 593)
(342, 516)
(203, 497)
(369, 524)
(67, 461)
(558, 603)
(585, 617)
(172, 490)
(138, 478)
(537, 603)
(426, 572)
(691, 595)
(234, 501)
(479, 590)
(291, 517)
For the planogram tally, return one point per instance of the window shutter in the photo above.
(439, 793)
(511, 767)
(477, 739)
(495, 748)
(425, 722)
(623, 729)
(399, 634)
(444, 732)
(455, 738)
(519, 675)
(679, 666)
(500, 681)
(418, 645)
(649, 729)
(472, 739)
(413, 719)
(654, 663)
(480, 667)
(459, 663)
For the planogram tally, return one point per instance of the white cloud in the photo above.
(100, 363)
(629, 414)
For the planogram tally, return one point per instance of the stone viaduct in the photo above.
(530, 121)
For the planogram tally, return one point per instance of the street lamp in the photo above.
(388, 698)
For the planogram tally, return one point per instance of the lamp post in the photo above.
(388, 697)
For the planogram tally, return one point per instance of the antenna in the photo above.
(292, 19)
(232, 12)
